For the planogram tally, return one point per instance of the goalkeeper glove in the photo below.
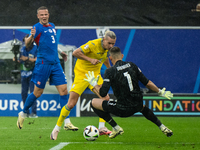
(91, 79)
(166, 94)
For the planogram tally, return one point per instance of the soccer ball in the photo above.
(91, 133)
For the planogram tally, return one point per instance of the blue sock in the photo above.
(29, 102)
(63, 101)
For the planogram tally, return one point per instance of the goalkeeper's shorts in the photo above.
(122, 110)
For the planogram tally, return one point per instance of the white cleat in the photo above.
(54, 134)
(20, 120)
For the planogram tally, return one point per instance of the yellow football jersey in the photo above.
(92, 49)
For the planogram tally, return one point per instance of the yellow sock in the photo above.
(101, 120)
(101, 123)
(63, 114)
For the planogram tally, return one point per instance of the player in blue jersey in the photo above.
(47, 65)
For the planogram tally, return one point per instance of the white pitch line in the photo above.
(63, 144)
(59, 146)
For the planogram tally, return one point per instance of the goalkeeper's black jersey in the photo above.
(123, 77)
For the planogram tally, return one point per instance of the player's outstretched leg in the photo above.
(166, 130)
(148, 114)
(21, 118)
(117, 130)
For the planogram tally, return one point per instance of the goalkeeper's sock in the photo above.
(101, 123)
(63, 114)
(29, 102)
(150, 116)
(162, 126)
(112, 123)
(117, 127)
(105, 116)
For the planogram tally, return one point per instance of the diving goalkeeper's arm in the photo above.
(167, 94)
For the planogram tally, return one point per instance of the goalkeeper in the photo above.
(123, 77)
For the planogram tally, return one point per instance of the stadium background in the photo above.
(161, 37)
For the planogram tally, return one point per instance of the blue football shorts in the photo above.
(53, 72)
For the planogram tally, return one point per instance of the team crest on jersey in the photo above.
(86, 46)
(50, 31)
(54, 31)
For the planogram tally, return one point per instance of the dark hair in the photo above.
(115, 49)
(42, 8)
(115, 52)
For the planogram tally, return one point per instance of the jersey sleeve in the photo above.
(106, 84)
(86, 48)
(142, 77)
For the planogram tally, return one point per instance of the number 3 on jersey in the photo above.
(127, 75)
(53, 39)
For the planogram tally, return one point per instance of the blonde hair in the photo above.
(110, 34)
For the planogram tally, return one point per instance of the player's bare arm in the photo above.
(107, 63)
(24, 58)
(79, 54)
(29, 40)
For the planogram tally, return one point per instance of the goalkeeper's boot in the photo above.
(54, 134)
(70, 126)
(116, 132)
(20, 120)
(104, 131)
(166, 131)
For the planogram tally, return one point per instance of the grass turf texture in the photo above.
(139, 134)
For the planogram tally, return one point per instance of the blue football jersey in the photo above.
(46, 40)
(31, 53)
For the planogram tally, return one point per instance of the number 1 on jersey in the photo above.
(127, 75)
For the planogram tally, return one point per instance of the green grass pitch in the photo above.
(139, 134)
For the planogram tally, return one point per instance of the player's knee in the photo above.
(71, 103)
(65, 92)
(94, 103)
(107, 97)
(37, 93)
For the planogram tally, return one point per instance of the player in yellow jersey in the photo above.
(91, 57)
